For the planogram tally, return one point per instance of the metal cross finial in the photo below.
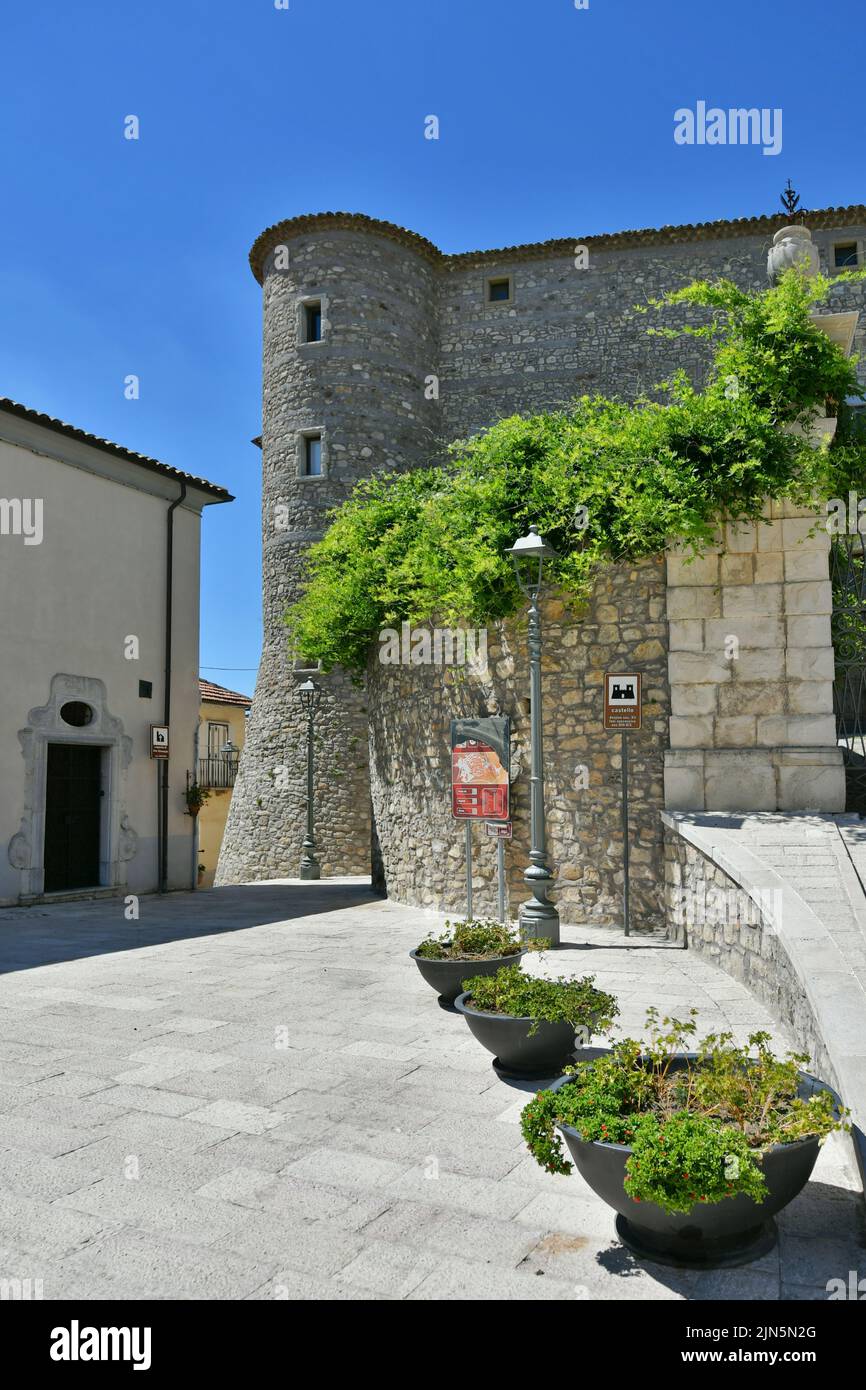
(790, 201)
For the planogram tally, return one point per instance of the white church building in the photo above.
(99, 637)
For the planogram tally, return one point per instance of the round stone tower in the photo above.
(350, 353)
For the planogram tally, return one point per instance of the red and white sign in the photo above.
(479, 783)
(501, 830)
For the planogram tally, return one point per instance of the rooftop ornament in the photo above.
(790, 201)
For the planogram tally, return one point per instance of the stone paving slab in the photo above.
(251, 1094)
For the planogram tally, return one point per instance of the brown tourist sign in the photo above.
(622, 700)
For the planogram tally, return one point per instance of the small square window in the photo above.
(845, 255)
(313, 322)
(499, 290)
(145, 690)
(313, 456)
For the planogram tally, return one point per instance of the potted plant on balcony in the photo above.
(195, 796)
(476, 947)
(695, 1151)
(531, 1025)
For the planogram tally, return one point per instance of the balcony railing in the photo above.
(217, 773)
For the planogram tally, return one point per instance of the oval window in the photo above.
(76, 713)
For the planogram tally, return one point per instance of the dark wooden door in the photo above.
(72, 817)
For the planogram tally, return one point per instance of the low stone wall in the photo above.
(791, 933)
(410, 708)
(713, 914)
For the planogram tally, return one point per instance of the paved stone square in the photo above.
(251, 1093)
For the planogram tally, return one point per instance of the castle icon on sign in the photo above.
(622, 692)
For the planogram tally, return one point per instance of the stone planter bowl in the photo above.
(517, 1051)
(711, 1235)
(447, 976)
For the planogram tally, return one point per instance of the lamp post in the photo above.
(538, 917)
(230, 753)
(310, 696)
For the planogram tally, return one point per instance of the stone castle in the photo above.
(379, 350)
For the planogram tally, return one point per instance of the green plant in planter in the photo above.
(697, 1133)
(477, 939)
(195, 797)
(518, 995)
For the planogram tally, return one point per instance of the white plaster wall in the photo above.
(68, 604)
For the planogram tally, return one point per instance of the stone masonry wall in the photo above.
(399, 316)
(570, 331)
(362, 387)
(751, 671)
(707, 911)
(411, 708)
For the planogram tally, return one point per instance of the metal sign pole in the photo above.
(624, 760)
(622, 710)
(468, 829)
(500, 868)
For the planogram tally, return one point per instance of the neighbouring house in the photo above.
(99, 637)
(222, 731)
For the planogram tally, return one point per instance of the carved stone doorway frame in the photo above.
(117, 842)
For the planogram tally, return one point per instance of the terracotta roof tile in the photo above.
(154, 465)
(648, 236)
(218, 695)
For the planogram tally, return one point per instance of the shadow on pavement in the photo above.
(818, 1212)
(49, 933)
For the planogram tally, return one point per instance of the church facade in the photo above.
(99, 627)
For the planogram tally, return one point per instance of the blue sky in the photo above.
(121, 257)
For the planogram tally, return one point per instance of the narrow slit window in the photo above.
(313, 322)
(313, 456)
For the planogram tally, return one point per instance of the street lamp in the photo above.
(538, 917)
(310, 696)
(230, 753)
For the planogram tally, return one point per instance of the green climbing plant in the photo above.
(604, 480)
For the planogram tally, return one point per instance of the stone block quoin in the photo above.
(751, 670)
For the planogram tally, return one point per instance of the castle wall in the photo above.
(623, 626)
(399, 313)
(571, 332)
(362, 386)
(751, 670)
